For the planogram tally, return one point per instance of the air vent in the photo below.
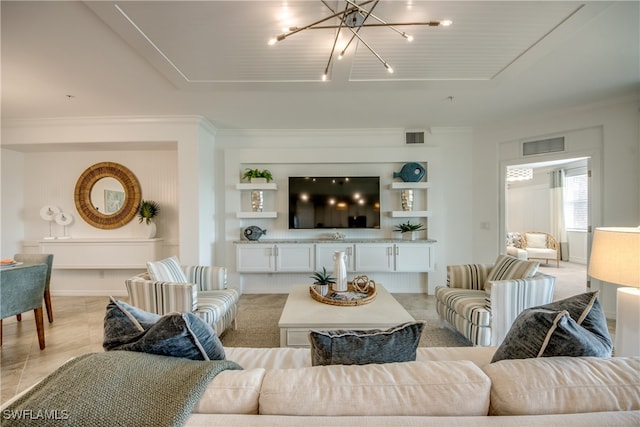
(542, 146)
(414, 137)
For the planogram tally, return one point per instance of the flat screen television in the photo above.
(334, 202)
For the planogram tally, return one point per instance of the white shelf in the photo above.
(257, 215)
(409, 185)
(410, 214)
(257, 186)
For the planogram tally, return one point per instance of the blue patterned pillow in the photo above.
(574, 326)
(175, 334)
(166, 270)
(347, 347)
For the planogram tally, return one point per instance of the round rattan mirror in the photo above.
(119, 198)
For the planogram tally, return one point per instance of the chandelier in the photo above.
(352, 19)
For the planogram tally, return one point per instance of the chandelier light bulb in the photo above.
(272, 41)
(389, 69)
(324, 77)
(446, 22)
(408, 37)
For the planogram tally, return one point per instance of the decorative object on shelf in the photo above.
(407, 199)
(257, 200)
(409, 230)
(349, 20)
(148, 210)
(340, 271)
(615, 258)
(350, 298)
(362, 283)
(338, 236)
(411, 172)
(48, 213)
(64, 219)
(257, 175)
(254, 232)
(322, 280)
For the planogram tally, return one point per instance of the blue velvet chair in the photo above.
(47, 259)
(21, 290)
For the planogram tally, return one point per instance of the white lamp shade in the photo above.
(49, 212)
(615, 255)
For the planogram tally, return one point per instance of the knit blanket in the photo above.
(116, 388)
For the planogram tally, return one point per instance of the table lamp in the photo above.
(615, 258)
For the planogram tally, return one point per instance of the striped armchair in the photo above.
(205, 294)
(482, 309)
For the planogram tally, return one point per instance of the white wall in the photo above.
(618, 167)
(12, 203)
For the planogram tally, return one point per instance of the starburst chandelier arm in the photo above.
(372, 50)
(294, 30)
(335, 42)
(381, 22)
(364, 19)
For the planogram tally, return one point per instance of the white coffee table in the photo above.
(302, 313)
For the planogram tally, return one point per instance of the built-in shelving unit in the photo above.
(256, 187)
(410, 186)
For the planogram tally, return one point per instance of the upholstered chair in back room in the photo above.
(46, 259)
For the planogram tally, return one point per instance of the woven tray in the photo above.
(342, 298)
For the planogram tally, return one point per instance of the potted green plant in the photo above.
(322, 280)
(257, 175)
(409, 230)
(148, 210)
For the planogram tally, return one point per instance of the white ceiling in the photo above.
(498, 60)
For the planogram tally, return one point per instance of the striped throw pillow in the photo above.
(508, 268)
(166, 270)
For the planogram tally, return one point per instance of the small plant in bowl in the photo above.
(147, 210)
(257, 174)
(322, 280)
(408, 230)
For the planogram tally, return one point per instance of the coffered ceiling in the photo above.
(499, 59)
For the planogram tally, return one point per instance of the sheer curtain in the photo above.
(558, 229)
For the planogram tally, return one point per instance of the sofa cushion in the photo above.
(563, 385)
(232, 392)
(175, 334)
(575, 326)
(350, 347)
(536, 240)
(166, 270)
(392, 389)
(507, 267)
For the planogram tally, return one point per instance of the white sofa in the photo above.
(453, 386)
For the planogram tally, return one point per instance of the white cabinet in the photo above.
(325, 251)
(271, 258)
(390, 257)
(248, 188)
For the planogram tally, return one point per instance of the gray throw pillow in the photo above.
(176, 334)
(575, 326)
(350, 347)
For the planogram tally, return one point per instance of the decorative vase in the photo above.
(407, 200)
(151, 230)
(257, 200)
(322, 289)
(339, 272)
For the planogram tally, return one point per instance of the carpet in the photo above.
(258, 316)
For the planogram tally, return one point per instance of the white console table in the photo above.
(91, 253)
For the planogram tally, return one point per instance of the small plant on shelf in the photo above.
(257, 173)
(408, 227)
(147, 210)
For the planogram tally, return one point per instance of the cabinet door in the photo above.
(255, 258)
(414, 257)
(324, 255)
(295, 257)
(374, 257)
